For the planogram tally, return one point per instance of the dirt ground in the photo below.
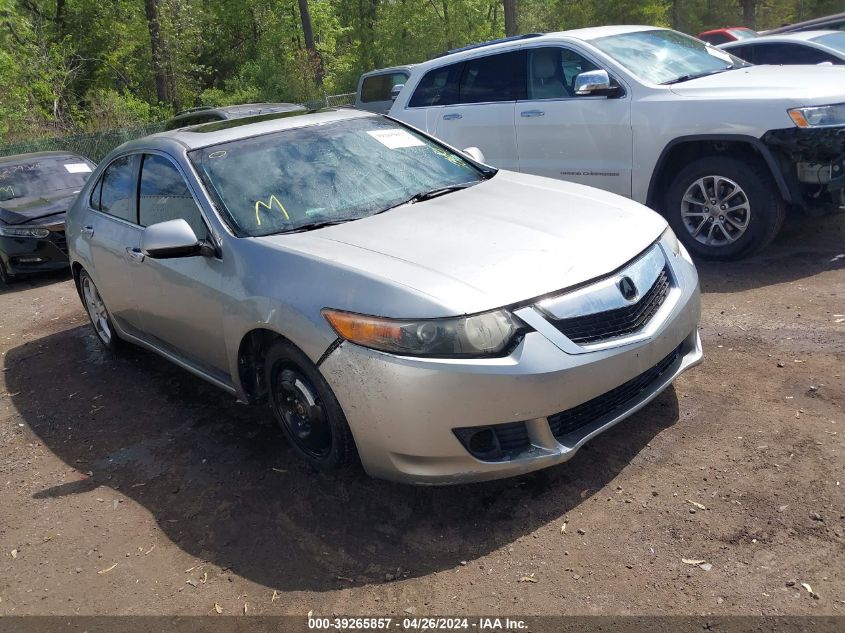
(127, 486)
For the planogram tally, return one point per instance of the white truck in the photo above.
(720, 147)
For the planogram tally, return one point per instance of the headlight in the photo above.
(486, 334)
(819, 116)
(671, 240)
(11, 231)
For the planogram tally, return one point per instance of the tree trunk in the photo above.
(511, 27)
(157, 45)
(60, 18)
(749, 13)
(308, 33)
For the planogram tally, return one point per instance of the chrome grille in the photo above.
(601, 326)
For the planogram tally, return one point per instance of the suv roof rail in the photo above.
(196, 109)
(502, 40)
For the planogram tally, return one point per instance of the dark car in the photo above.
(834, 22)
(35, 192)
(731, 34)
(207, 114)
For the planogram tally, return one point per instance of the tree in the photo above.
(308, 34)
(749, 13)
(157, 45)
(511, 27)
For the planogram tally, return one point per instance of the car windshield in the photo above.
(833, 40)
(42, 176)
(663, 57)
(327, 173)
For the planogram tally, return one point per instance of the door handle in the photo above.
(87, 230)
(531, 113)
(134, 254)
(452, 117)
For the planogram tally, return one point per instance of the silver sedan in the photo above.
(394, 300)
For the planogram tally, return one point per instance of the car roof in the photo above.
(822, 21)
(725, 29)
(797, 36)
(205, 134)
(389, 69)
(24, 158)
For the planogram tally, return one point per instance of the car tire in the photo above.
(307, 409)
(723, 208)
(98, 314)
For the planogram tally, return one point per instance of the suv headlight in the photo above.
(671, 240)
(11, 231)
(486, 334)
(819, 116)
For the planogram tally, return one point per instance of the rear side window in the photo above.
(164, 195)
(437, 87)
(493, 78)
(117, 189)
(379, 87)
(743, 52)
(789, 54)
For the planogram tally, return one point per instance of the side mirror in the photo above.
(394, 92)
(166, 240)
(592, 81)
(474, 153)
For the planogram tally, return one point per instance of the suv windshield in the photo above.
(663, 57)
(325, 174)
(42, 176)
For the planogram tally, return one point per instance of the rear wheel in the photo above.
(97, 312)
(307, 410)
(723, 208)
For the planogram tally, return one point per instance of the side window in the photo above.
(552, 72)
(437, 87)
(163, 195)
(379, 87)
(493, 78)
(789, 54)
(718, 38)
(116, 189)
(743, 52)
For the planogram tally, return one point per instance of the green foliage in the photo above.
(89, 67)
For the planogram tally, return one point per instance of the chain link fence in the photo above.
(96, 145)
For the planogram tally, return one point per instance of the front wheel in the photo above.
(307, 410)
(724, 209)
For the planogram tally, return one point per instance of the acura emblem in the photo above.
(627, 288)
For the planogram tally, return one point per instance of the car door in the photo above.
(584, 139)
(112, 234)
(483, 114)
(178, 299)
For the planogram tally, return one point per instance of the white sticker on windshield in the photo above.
(77, 168)
(719, 54)
(395, 139)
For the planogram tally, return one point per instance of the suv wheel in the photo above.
(723, 208)
(97, 312)
(307, 410)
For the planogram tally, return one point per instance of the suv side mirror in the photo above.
(592, 81)
(166, 240)
(474, 153)
(394, 92)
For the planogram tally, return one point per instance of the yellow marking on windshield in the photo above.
(269, 205)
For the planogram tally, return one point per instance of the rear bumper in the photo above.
(403, 412)
(23, 256)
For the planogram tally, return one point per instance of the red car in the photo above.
(730, 34)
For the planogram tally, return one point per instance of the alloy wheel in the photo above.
(715, 211)
(96, 310)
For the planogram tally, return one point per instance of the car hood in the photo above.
(47, 209)
(809, 85)
(503, 241)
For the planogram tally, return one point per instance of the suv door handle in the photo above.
(453, 116)
(531, 113)
(87, 230)
(134, 254)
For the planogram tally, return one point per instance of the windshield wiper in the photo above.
(682, 78)
(431, 193)
(314, 226)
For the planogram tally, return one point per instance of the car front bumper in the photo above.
(25, 255)
(403, 411)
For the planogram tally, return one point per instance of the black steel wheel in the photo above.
(307, 410)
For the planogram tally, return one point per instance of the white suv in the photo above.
(718, 146)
